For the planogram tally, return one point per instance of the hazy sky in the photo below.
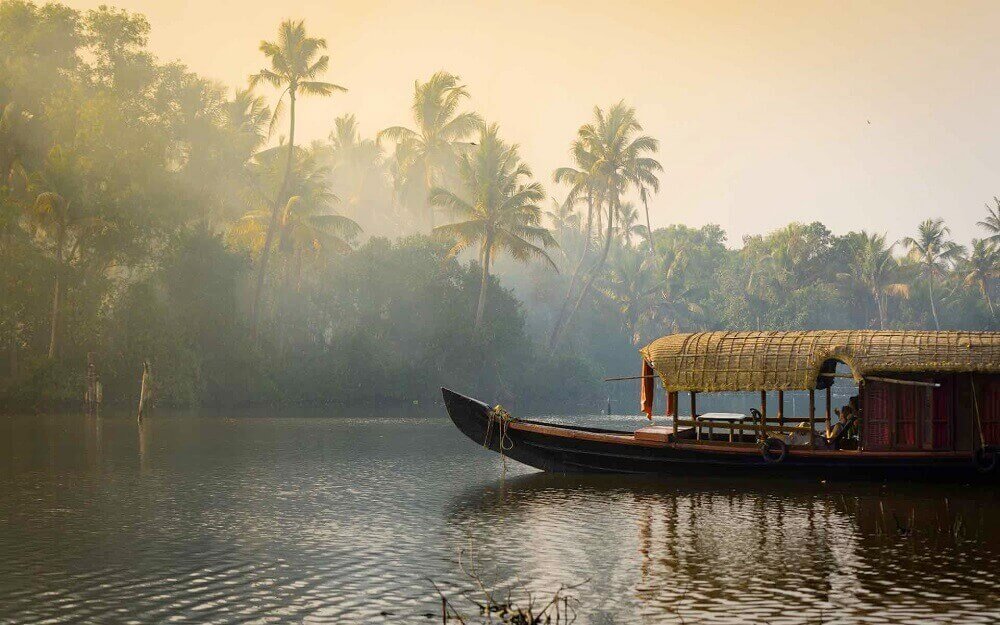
(862, 115)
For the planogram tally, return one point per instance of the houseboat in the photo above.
(926, 406)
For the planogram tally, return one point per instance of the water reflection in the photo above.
(344, 519)
(732, 550)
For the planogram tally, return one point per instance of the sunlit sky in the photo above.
(859, 114)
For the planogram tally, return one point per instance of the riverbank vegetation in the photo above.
(147, 213)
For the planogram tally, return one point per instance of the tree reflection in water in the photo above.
(736, 550)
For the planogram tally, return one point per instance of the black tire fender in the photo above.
(773, 450)
(985, 459)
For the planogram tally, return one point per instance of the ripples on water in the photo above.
(343, 519)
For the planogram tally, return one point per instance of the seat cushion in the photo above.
(658, 433)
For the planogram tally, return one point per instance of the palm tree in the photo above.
(307, 224)
(497, 206)
(934, 254)
(620, 162)
(246, 118)
(644, 193)
(874, 269)
(563, 217)
(585, 184)
(295, 67)
(992, 222)
(677, 299)
(628, 224)
(56, 219)
(434, 145)
(357, 165)
(632, 285)
(981, 268)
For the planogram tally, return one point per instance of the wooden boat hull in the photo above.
(572, 449)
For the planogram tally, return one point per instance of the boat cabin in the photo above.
(917, 392)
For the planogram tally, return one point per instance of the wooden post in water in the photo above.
(144, 388)
(90, 392)
(812, 418)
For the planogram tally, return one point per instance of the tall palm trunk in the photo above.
(649, 227)
(54, 322)
(560, 318)
(272, 225)
(595, 269)
(481, 308)
(986, 296)
(879, 308)
(930, 290)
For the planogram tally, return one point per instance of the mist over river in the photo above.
(346, 518)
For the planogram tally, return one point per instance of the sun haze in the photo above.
(862, 115)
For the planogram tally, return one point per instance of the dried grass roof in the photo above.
(743, 361)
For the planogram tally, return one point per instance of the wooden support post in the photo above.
(674, 410)
(763, 403)
(812, 418)
(781, 407)
(694, 415)
(829, 412)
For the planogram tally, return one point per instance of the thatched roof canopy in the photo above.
(745, 361)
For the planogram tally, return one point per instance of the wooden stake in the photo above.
(144, 389)
(90, 393)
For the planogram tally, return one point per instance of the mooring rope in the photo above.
(503, 419)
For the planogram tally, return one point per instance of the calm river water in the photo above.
(344, 519)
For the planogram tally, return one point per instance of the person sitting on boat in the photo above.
(847, 422)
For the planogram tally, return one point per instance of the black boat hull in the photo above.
(571, 449)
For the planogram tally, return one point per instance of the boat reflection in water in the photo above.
(735, 550)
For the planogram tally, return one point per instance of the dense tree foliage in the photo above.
(147, 213)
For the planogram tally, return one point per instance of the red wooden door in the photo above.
(990, 412)
(907, 402)
(942, 423)
(877, 416)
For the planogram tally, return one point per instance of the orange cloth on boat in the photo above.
(646, 397)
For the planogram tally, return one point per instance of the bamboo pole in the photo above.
(903, 382)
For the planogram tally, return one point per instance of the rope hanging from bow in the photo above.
(502, 420)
